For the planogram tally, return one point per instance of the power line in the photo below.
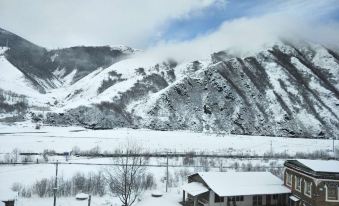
(114, 164)
(193, 155)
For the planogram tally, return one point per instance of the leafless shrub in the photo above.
(17, 187)
(124, 180)
(92, 183)
(188, 159)
(148, 181)
(27, 158)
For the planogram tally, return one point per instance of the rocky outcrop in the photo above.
(284, 91)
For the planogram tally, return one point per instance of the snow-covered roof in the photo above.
(321, 165)
(243, 183)
(8, 196)
(294, 198)
(195, 188)
(82, 196)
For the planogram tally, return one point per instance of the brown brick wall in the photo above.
(318, 195)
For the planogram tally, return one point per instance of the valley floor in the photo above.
(171, 198)
(61, 139)
(25, 138)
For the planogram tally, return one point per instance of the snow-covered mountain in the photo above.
(284, 90)
(47, 70)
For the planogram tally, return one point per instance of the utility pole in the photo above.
(271, 148)
(89, 200)
(333, 147)
(166, 171)
(56, 182)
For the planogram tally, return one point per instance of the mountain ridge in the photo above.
(285, 90)
(39, 65)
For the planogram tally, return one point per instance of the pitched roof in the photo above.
(8, 196)
(243, 183)
(321, 165)
(195, 188)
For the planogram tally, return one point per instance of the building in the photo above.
(235, 189)
(312, 182)
(8, 198)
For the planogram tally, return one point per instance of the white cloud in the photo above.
(297, 21)
(63, 23)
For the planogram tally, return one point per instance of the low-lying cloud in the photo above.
(65, 23)
(298, 22)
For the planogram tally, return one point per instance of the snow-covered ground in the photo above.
(171, 198)
(27, 139)
(28, 174)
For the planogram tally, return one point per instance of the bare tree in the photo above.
(125, 178)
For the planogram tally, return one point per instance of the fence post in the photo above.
(56, 182)
(89, 200)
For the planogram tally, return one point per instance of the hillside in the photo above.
(284, 90)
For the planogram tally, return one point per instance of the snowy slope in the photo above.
(286, 89)
(282, 91)
(277, 92)
(12, 79)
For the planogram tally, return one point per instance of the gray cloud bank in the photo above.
(65, 23)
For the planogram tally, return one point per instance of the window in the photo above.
(257, 200)
(289, 179)
(308, 188)
(239, 198)
(298, 182)
(218, 199)
(332, 191)
(235, 199)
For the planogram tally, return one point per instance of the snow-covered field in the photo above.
(28, 174)
(171, 198)
(27, 139)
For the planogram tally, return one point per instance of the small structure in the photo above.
(313, 182)
(8, 198)
(235, 189)
(82, 196)
(156, 194)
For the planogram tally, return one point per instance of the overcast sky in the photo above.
(170, 24)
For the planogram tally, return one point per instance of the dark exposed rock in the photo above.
(238, 96)
(85, 59)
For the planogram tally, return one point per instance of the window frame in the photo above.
(298, 180)
(305, 188)
(239, 198)
(255, 200)
(260, 198)
(275, 197)
(217, 198)
(289, 177)
(326, 194)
